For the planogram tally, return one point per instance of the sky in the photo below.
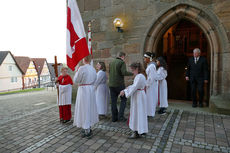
(34, 28)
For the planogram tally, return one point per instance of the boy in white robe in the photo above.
(163, 89)
(85, 114)
(138, 120)
(102, 90)
(151, 84)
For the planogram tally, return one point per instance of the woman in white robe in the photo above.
(102, 90)
(163, 89)
(151, 84)
(85, 114)
(138, 120)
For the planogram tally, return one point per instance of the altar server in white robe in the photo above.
(85, 114)
(163, 89)
(138, 120)
(64, 83)
(151, 84)
(102, 90)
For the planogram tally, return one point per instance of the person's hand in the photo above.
(205, 81)
(57, 84)
(122, 93)
(187, 78)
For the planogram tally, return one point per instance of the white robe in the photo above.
(138, 120)
(102, 93)
(85, 114)
(65, 95)
(151, 89)
(163, 89)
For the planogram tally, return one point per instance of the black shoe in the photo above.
(200, 105)
(194, 105)
(65, 121)
(123, 119)
(90, 134)
(83, 133)
(114, 120)
(160, 111)
(134, 135)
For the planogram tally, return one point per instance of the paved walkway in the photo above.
(177, 131)
(16, 105)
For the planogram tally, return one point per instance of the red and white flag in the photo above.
(77, 47)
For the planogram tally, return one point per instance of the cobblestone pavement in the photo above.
(177, 131)
(16, 105)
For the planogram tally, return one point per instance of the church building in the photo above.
(169, 28)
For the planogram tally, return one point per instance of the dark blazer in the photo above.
(198, 71)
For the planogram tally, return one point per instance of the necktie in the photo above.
(195, 60)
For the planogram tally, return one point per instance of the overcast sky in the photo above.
(34, 28)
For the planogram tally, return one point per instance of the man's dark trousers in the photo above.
(197, 83)
(114, 92)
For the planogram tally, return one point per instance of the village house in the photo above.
(30, 75)
(10, 72)
(42, 68)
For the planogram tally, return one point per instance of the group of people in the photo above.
(148, 90)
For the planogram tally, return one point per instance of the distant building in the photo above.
(42, 68)
(10, 72)
(52, 72)
(30, 75)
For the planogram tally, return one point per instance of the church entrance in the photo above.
(177, 45)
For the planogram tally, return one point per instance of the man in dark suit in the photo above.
(197, 74)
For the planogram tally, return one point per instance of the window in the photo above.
(14, 79)
(10, 68)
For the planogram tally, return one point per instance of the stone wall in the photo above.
(138, 17)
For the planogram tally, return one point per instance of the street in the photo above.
(29, 123)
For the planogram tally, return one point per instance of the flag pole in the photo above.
(90, 39)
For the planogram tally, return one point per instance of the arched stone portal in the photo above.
(215, 34)
(177, 45)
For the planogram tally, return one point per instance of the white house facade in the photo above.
(10, 73)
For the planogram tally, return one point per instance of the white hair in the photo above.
(196, 50)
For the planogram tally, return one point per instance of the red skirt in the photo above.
(65, 112)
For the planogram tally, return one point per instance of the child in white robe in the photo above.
(85, 114)
(151, 84)
(102, 90)
(138, 120)
(163, 89)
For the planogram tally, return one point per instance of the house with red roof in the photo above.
(10, 72)
(42, 68)
(30, 74)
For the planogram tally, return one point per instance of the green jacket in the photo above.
(117, 71)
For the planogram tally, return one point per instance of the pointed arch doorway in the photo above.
(209, 40)
(176, 46)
